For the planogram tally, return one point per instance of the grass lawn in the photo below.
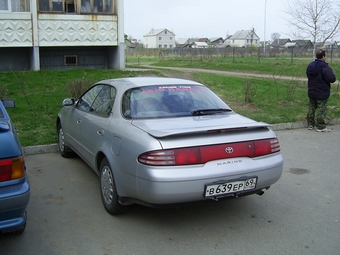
(38, 95)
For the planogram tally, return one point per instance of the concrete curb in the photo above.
(39, 149)
(51, 148)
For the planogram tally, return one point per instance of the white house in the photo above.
(243, 38)
(61, 34)
(159, 38)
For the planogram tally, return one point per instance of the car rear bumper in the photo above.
(13, 202)
(176, 191)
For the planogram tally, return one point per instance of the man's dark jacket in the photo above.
(320, 76)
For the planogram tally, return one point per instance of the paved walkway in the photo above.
(219, 72)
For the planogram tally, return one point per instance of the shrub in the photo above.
(249, 91)
(3, 91)
(77, 87)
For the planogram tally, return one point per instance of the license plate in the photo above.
(214, 190)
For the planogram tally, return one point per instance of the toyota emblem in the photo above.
(229, 150)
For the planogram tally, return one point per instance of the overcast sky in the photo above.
(205, 18)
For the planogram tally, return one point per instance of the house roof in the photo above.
(182, 40)
(302, 43)
(216, 39)
(203, 40)
(327, 44)
(154, 32)
(129, 44)
(242, 34)
(201, 44)
(290, 44)
(280, 42)
(228, 37)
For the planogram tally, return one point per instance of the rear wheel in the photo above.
(108, 190)
(19, 230)
(64, 150)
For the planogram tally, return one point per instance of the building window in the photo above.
(160, 38)
(170, 38)
(4, 5)
(160, 46)
(70, 6)
(71, 60)
(51, 5)
(82, 6)
(15, 5)
(94, 6)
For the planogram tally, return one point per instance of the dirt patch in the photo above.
(243, 106)
(176, 74)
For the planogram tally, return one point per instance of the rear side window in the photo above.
(168, 101)
(98, 100)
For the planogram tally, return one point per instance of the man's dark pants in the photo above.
(318, 107)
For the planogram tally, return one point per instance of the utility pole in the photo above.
(264, 37)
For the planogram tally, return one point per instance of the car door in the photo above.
(95, 122)
(74, 118)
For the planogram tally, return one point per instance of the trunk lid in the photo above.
(162, 128)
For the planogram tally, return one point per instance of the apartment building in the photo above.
(61, 34)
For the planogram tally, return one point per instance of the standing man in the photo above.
(320, 76)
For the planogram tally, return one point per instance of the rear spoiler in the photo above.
(222, 129)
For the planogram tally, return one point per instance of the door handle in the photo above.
(100, 132)
(78, 122)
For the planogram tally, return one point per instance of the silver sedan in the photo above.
(164, 142)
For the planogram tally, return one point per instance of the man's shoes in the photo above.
(310, 127)
(323, 130)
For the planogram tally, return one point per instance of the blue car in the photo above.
(14, 183)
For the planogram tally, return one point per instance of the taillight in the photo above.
(204, 154)
(11, 169)
(264, 147)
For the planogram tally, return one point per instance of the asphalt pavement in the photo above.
(298, 215)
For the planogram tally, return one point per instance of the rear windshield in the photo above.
(168, 101)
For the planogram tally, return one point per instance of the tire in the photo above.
(64, 150)
(108, 190)
(19, 230)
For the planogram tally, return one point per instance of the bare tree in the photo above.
(316, 19)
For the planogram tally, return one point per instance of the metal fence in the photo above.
(234, 52)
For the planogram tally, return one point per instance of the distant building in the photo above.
(183, 42)
(216, 41)
(280, 43)
(129, 43)
(159, 38)
(304, 44)
(200, 45)
(186, 42)
(327, 45)
(243, 38)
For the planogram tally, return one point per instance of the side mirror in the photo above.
(68, 102)
(8, 103)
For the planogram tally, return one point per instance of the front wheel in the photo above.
(108, 190)
(64, 150)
